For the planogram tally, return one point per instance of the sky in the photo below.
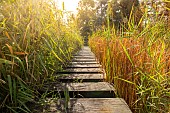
(70, 5)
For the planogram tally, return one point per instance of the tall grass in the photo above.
(138, 63)
(34, 43)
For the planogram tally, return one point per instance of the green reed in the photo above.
(35, 42)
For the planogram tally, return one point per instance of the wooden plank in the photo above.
(90, 86)
(92, 54)
(85, 48)
(84, 65)
(83, 60)
(85, 52)
(82, 52)
(81, 76)
(84, 87)
(90, 70)
(89, 105)
(84, 57)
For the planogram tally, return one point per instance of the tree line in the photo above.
(95, 15)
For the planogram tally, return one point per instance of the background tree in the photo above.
(122, 11)
(86, 17)
(167, 13)
(92, 15)
(119, 12)
(101, 13)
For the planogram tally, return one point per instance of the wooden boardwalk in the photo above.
(82, 81)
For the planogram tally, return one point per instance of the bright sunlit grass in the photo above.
(34, 43)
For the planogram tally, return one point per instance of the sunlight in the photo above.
(70, 5)
(113, 53)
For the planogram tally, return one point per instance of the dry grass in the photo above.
(139, 67)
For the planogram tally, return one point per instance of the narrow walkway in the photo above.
(83, 89)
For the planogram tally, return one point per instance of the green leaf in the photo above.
(18, 59)
(125, 80)
(51, 49)
(161, 54)
(15, 90)
(10, 85)
(27, 109)
(127, 54)
(4, 61)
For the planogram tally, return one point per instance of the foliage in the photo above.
(137, 61)
(94, 17)
(101, 10)
(86, 16)
(34, 43)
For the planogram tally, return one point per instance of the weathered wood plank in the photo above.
(81, 76)
(90, 86)
(82, 60)
(85, 52)
(90, 105)
(85, 86)
(86, 48)
(84, 57)
(84, 65)
(92, 70)
(82, 54)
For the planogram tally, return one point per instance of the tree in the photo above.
(156, 10)
(86, 17)
(119, 10)
(101, 13)
(127, 5)
(92, 15)
(124, 9)
(168, 12)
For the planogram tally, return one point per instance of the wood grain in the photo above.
(97, 70)
(90, 105)
(81, 76)
(85, 86)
